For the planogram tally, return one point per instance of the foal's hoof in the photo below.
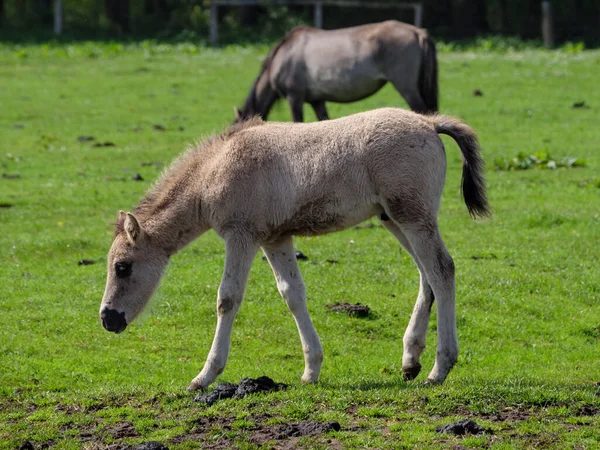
(410, 373)
(195, 386)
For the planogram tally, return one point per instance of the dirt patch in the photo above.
(152, 445)
(246, 386)
(86, 262)
(122, 430)
(301, 256)
(292, 430)
(462, 427)
(284, 436)
(353, 310)
(587, 410)
(156, 164)
(508, 415)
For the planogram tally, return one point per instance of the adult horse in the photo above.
(315, 66)
(262, 183)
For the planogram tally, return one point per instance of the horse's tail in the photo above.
(473, 182)
(428, 73)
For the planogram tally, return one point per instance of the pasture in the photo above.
(84, 131)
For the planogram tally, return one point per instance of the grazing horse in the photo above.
(261, 183)
(314, 66)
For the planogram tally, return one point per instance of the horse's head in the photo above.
(260, 100)
(242, 115)
(135, 267)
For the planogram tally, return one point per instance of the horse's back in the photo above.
(346, 64)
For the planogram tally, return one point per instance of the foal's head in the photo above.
(135, 266)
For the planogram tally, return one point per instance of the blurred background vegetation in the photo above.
(22, 20)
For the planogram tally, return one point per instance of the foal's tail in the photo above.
(428, 73)
(473, 183)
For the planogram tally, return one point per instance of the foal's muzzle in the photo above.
(112, 320)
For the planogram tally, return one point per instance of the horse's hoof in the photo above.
(309, 379)
(431, 382)
(195, 386)
(410, 373)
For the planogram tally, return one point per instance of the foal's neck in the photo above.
(173, 224)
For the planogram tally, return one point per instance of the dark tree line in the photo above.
(454, 19)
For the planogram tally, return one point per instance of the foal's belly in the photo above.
(312, 221)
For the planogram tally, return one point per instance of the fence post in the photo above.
(58, 17)
(214, 24)
(418, 15)
(318, 14)
(547, 31)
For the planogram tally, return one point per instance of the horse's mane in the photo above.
(174, 177)
(266, 65)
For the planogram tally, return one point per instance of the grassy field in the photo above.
(528, 284)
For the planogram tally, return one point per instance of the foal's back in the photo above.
(326, 175)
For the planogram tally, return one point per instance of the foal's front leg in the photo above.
(282, 259)
(238, 259)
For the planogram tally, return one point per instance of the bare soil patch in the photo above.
(353, 310)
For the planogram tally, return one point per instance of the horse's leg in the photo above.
(416, 332)
(420, 229)
(430, 251)
(238, 259)
(282, 258)
(320, 109)
(297, 107)
(410, 92)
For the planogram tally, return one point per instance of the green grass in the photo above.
(528, 285)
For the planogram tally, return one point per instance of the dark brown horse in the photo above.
(314, 66)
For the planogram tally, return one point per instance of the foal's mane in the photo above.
(173, 180)
(266, 65)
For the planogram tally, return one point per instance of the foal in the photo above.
(261, 183)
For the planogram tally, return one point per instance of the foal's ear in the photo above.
(132, 228)
(236, 113)
(120, 223)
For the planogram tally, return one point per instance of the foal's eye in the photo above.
(123, 269)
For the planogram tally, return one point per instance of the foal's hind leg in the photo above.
(238, 259)
(282, 258)
(436, 262)
(416, 332)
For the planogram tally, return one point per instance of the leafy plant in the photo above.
(539, 160)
